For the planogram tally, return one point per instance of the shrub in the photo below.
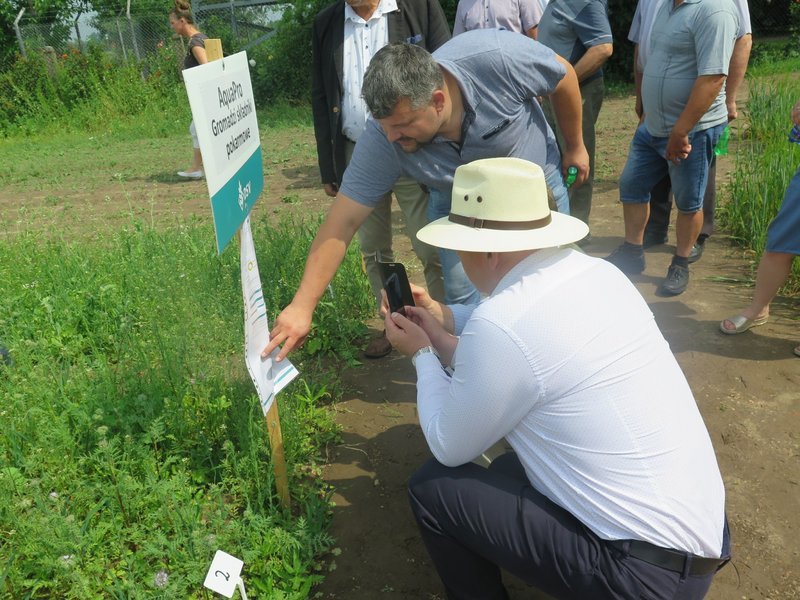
(283, 62)
(87, 90)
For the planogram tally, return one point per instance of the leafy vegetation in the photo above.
(87, 91)
(773, 56)
(133, 444)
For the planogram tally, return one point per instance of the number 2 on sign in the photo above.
(223, 574)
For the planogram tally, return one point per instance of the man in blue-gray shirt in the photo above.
(476, 97)
(684, 114)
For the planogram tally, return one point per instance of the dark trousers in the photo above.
(661, 205)
(475, 521)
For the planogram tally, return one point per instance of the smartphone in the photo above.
(395, 282)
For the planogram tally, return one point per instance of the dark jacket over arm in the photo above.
(420, 22)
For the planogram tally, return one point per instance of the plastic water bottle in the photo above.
(794, 135)
(721, 149)
(572, 174)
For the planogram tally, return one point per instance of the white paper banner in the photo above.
(269, 377)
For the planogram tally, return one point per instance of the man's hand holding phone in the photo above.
(441, 312)
(396, 286)
(405, 335)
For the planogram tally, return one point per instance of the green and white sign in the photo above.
(224, 113)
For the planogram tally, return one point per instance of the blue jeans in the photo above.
(782, 232)
(647, 165)
(458, 289)
(555, 183)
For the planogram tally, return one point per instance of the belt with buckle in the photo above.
(672, 560)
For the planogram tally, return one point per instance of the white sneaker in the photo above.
(191, 174)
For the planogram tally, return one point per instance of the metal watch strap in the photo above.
(423, 350)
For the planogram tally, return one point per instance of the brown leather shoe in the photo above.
(378, 347)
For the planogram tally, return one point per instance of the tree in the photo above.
(116, 8)
(55, 13)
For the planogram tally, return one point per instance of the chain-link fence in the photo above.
(241, 25)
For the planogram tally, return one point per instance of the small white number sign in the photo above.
(223, 574)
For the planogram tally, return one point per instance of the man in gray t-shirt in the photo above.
(476, 97)
(683, 98)
(661, 197)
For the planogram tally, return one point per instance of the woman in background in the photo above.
(783, 244)
(182, 23)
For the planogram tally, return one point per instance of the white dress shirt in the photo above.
(362, 39)
(564, 360)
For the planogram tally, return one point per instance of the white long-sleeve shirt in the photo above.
(565, 361)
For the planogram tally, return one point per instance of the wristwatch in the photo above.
(421, 351)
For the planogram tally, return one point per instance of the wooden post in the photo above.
(50, 60)
(213, 49)
(278, 458)
(214, 52)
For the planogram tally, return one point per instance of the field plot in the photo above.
(99, 192)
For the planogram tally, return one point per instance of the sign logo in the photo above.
(244, 194)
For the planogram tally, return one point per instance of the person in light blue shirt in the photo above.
(521, 16)
(498, 76)
(476, 97)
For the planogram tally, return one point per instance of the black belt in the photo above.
(665, 558)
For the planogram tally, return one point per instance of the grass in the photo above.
(133, 444)
(764, 167)
(773, 56)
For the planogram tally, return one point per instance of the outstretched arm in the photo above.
(327, 252)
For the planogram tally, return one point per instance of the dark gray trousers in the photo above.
(475, 521)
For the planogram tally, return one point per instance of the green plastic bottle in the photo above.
(572, 173)
(721, 149)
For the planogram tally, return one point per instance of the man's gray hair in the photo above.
(400, 71)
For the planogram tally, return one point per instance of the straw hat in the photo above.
(500, 205)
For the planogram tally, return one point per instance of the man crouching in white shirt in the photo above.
(612, 489)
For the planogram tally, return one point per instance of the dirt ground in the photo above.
(747, 387)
